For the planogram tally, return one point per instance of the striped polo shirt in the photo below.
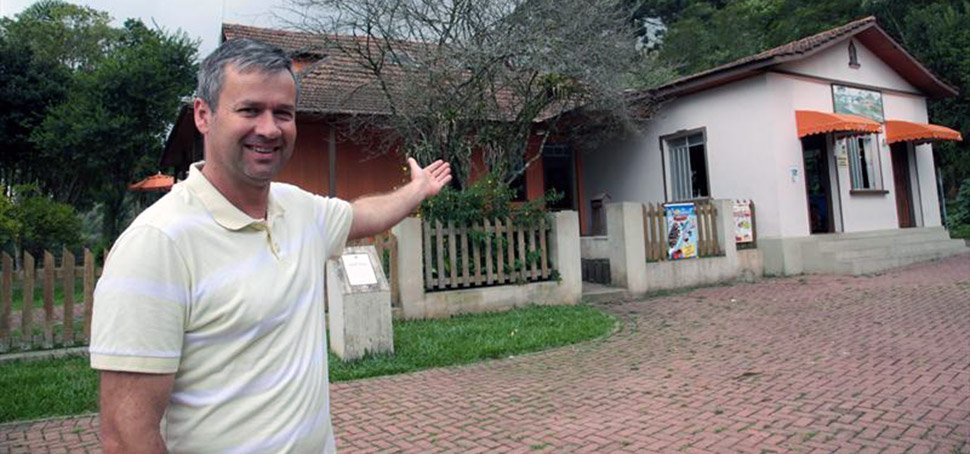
(233, 306)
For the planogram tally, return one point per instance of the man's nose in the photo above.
(267, 126)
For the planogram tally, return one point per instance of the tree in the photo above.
(39, 52)
(28, 88)
(111, 128)
(461, 76)
(63, 33)
(938, 34)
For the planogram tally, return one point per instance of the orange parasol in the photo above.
(154, 183)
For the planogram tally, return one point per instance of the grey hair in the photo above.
(244, 54)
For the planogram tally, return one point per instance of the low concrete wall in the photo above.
(752, 264)
(782, 256)
(630, 270)
(594, 247)
(491, 299)
(690, 273)
(417, 304)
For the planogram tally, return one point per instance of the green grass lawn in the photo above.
(67, 386)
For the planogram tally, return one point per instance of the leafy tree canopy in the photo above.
(111, 127)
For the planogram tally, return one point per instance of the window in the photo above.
(864, 165)
(688, 167)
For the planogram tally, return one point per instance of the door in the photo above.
(559, 175)
(904, 192)
(817, 185)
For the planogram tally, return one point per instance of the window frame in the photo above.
(863, 166)
(668, 162)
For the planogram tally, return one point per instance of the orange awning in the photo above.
(154, 183)
(906, 131)
(815, 122)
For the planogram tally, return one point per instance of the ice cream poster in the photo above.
(681, 230)
(743, 232)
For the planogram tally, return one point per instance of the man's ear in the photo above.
(203, 115)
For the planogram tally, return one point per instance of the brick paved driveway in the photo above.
(804, 364)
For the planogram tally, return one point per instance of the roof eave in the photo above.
(869, 34)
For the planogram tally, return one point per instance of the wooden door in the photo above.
(904, 194)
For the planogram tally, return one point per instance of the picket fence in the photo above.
(56, 325)
(485, 253)
(655, 230)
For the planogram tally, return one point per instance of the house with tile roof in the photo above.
(828, 135)
(334, 155)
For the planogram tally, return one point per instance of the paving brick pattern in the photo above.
(804, 364)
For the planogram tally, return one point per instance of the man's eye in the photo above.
(284, 115)
(248, 111)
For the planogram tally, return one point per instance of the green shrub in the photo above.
(43, 223)
(960, 231)
(487, 198)
(959, 215)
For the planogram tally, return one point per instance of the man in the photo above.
(208, 320)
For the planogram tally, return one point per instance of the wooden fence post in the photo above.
(89, 266)
(67, 269)
(489, 268)
(48, 299)
(463, 239)
(27, 311)
(544, 255)
(5, 302)
(428, 263)
(440, 243)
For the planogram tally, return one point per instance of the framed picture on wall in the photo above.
(858, 101)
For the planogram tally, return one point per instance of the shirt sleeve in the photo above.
(334, 217)
(140, 305)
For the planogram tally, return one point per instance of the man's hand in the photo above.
(430, 179)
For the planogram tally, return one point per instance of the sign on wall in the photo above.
(858, 101)
(743, 231)
(681, 230)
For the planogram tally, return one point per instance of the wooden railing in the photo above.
(655, 230)
(59, 323)
(485, 253)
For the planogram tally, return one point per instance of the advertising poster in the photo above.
(742, 222)
(681, 230)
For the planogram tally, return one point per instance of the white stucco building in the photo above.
(828, 135)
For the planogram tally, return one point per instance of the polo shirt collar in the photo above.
(224, 212)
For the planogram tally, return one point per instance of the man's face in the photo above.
(250, 136)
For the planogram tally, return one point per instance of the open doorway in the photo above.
(818, 187)
(901, 179)
(559, 174)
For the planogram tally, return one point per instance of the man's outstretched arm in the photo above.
(375, 214)
(132, 405)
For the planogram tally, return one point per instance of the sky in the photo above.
(200, 19)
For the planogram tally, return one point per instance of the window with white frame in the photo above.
(864, 166)
(688, 166)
